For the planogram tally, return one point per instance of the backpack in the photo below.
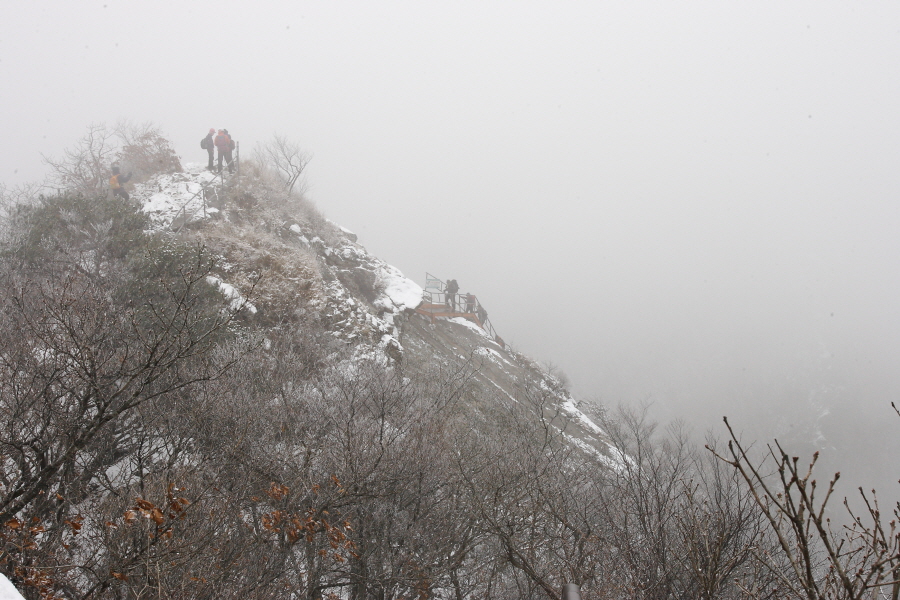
(204, 143)
(114, 182)
(230, 143)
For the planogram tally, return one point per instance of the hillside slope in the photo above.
(297, 265)
(215, 392)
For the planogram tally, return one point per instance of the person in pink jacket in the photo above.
(223, 144)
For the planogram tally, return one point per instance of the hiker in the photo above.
(116, 181)
(482, 314)
(470, 303)
(223, 145)
(452, 288)
(231, 147)
(209, 145)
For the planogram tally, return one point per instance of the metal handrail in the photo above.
(191, 199)
(441, 297)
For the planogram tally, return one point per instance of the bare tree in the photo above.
(540, 498)
(84, 168)
(287, 159)
(826, 562)
(11, 197)
(719, 533)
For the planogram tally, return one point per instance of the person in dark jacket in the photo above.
(223, 145)
(231, 145)
(211, 149)
(452, 288)
(117, 181)
(470, 303)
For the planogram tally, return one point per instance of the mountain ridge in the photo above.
(215, 391)
(328, 275)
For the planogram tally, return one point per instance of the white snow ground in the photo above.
(468, 324)
(8, 591)
(166, 197)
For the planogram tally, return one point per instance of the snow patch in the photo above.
(467, 323)
(569, 407)
(616, 462)
(230, 292)
(7, 590)
(341, 227)
(492, 354)
(399, 292)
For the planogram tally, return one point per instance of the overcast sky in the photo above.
(693, 204)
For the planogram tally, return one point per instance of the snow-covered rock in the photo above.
(402, 293)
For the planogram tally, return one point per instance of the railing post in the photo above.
(571, 591)
(237, 157)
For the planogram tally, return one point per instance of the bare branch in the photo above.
(286, 159)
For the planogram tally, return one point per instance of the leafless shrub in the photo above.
(144, 150)
(825, 561)
(286, 159)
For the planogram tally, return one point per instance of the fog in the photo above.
(691, 205)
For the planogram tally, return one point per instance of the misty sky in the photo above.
(694, 204)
